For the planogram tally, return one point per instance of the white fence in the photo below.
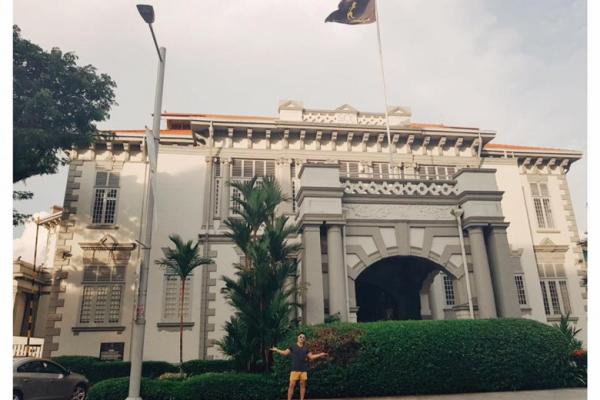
(36, 346)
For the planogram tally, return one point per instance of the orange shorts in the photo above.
(298, 375)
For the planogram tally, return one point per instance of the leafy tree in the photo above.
(260, 291)
(181, 261)
(55, 106)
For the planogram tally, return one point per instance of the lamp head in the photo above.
(147, 12)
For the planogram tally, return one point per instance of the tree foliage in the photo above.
(261, 291)
(56, 104)
(182, 261)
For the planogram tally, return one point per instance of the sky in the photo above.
(516, 67)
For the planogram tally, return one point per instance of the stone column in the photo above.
(225, 189)
(435, 298)
(337, 276)
(481, 272)
(312, 272)
(502, 273)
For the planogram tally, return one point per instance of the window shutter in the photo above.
(248, 169)
(101, 177)
(259, 168)
(113, 179)
(237, 168)
(270, 168)
(353, 169)
(534, 189)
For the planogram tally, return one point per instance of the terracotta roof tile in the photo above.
(167, 132)
(498, 146)
(221, 116)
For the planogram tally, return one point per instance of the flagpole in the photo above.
(385, 97)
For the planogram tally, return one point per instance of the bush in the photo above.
(197, 367)
(228, 386)
(210, 386)
(96, 370)
(424, 357)
(118, 388)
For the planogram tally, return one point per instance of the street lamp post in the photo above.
(457, 213)
(139, 325)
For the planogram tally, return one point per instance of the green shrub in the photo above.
(198, 367)
(423, 357)
(118, 388)
(228, 386)
(210, 386)
(96, 370)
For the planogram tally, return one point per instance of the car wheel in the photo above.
(79, 393)
(17, 396)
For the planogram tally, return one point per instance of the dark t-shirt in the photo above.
(299, 357)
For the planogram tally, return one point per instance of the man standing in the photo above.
(300, 358)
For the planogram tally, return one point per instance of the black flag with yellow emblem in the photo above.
(354, 12)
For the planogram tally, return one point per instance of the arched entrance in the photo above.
(390, 288)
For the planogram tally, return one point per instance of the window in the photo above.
(349, 169)
(30, 367)
(555, 292)
(243, 170)
(381, 170)
(102, 293)
(436, 172)
(448, 289)
(172, 298)
(541, 203)
(521, 294)
(105, 197)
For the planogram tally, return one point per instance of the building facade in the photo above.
(378, 225)
(32, 281)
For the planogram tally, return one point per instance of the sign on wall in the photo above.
(112, 351)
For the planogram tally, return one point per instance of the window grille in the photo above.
(555, 292)
(243, 170)
(448, 289)
(294, 179)
(172, 298)
(102, 293)
(521, 294)
(436, 172)
(381, 170)
(349, 169)
(541, 204)
(218, 184)
(105, 197)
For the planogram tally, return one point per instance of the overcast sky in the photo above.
(514, 66)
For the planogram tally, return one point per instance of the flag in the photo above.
(354, 12)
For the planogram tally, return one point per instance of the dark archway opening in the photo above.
(390, 289)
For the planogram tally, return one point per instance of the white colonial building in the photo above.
(380, 238)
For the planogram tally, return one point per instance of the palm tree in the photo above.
(181, 261)
(259, 292)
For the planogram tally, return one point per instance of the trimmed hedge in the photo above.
(96, 370)
(209, 386)
(198, 367)
(425, 357)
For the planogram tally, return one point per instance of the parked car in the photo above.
(39, 379)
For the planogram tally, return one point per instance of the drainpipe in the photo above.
(457, 213)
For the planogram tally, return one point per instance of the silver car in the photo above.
(39, 379)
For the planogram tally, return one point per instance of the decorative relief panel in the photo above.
(398, 212)
(400, 188)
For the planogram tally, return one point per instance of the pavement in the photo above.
(556, 394)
